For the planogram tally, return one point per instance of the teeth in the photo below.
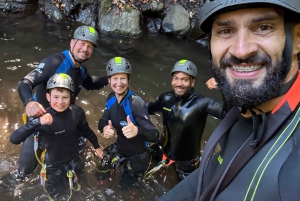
(245, 69)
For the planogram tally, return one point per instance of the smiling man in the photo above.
(254, 46)
(184, 117)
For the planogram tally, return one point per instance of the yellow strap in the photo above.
(24, 117)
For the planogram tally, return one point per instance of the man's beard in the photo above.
(244, 93)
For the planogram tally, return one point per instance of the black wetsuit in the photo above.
(184, 120)
(56, 63)
(271, 173)
(133, 150)
(60, 138)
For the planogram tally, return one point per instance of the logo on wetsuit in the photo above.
(123, 123)
(39, 68)
(58, 132)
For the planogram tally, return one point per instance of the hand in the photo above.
(212, 83)
(109, 130)
(34, 109)
(99, 152)
(46, 119)
(130, 130)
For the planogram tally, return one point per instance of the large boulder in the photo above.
(176, 21)
(125, 23)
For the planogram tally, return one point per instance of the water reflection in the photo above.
(27, 39)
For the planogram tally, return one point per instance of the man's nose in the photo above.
(244, 45)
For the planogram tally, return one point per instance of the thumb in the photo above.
(110, 123)
(42, 108)
(128, 119)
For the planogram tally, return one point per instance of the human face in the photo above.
(81, 49)
(182, 83)
(247, 47)
(119, 83)
(59, 99)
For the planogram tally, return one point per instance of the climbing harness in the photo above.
(111, 160)
(164, 163)
(70, 168)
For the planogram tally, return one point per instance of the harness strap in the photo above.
(170, 161)
(126, 105)
(244, 154)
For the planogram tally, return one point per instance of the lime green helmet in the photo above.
(87, 33)
(117, 65)
(212, 7)
(185, 66)
(60, 80)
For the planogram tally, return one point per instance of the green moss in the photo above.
(128, 8)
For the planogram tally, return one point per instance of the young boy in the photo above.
(57, 129)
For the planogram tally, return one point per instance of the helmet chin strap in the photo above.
(73, 56)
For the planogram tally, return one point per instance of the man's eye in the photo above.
(224, 31)
(264, 28)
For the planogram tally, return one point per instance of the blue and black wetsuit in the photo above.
(56, 63)
(133, 150)
(271, 173)
(184, 119)
(59, 139)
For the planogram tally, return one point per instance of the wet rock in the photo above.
(88, 15)
(156, 7)
(176, 21)
(151, 25)
(84, 3)
(126, 23)
(105, 6)
(57, 16)
(153, 7)
(158, 23)
(19, 6)
(121, 17)
(195, 31)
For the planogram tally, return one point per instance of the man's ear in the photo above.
(193, 81)
(297, 37)
(72, 42)
(48, 97)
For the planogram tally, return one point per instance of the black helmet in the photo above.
(87, 33)
(185, 66)
(118, 65)
(211, 7)
(61, 80)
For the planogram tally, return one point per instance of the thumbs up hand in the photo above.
(46, 119)
(130, 130)
(109, 131)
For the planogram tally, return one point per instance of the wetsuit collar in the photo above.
(129, 93)
(55, 112)
(292, 97)
(186, 95)
(66, 53)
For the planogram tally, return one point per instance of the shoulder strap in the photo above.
(245, 153)
(126, 105)
(219, 132)
(110, 102)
